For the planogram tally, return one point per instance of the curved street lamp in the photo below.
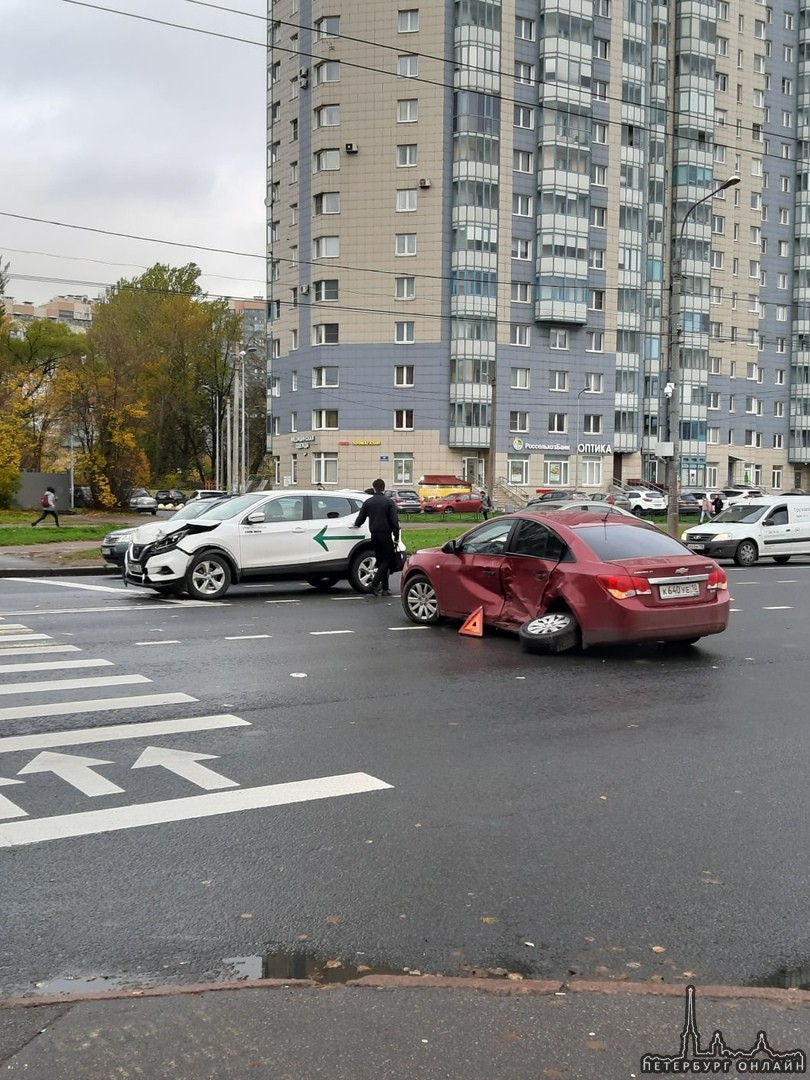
(673, 387)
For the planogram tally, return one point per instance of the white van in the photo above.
(771, 527)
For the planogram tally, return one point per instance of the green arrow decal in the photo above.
(319, 537)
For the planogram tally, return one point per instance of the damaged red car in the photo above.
(566, 579)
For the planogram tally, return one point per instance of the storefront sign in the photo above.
(521, 444)
(594, 448)
(299, 441)
(366, 442)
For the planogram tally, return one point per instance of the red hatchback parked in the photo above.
(563, 579)
(462, 502)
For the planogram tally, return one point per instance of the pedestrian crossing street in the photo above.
(36, 756)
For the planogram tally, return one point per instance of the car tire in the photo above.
(208, 577)
(153, 512)
(449, 510)
(419, 601)
(323, 582)
(781, 559)
(362, 569)
(746, 553)
(554, 632)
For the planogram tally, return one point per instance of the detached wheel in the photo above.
(362, 569)
(781, 559)
(746, 553)
(323, 582)
(419, 601)
(208, 578)
(554, 632)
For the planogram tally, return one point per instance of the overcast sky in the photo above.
(121, 124)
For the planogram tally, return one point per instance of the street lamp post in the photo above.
(216, 433)
(584, 390)
(673, 388)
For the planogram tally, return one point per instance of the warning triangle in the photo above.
(473, 625)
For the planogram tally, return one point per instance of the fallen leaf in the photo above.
(633, 964)
(529, 943)
(515, 976)
(246, 915)
(489, 919)
(603, 798)
(658, 948)
(334, 920)
(712, 881)
(688, 975)
(333, 964)
(363, 967)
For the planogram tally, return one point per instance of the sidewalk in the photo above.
(389, 1027)
(47, 560)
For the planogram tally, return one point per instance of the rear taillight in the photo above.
(623, 586)
(717, 579)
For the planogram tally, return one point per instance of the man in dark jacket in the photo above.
(383, 522)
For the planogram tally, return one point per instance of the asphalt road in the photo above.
(616, 814)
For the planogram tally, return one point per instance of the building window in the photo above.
(406, 155)
(406, 200)
(403, 375)
(403, 468)
(403, 420)
(596, 300)
(521, 292)
(293, 340)
(779, 376)
(713, 436)
(599, 175)
(601, 48)
(519, 378)
(555, 472)
(293, 421)
(405, 288)
(524, 73)
(594, 341)
(405, 244)
(557, 338)
(327, 27)
(596, 258)
(326, 247)
(324, 419)
(326, 116)
(591, 472)
(328, 202)
(521, 249)
(776, 478)
(778, 441)
(524, 117)
(408, 21)
(518, 421)
(404, 333)
(327, 72)
(592, 424)
(558, 422)
(599, 90)
(517, 470)
(326, 290)
(408, 66)
(599, 217)
(524, 29)
(293, 381)
(522, 205)
(558, 380)
(324, 468)
(407, 111)
(779, 408)
(594, 382)
(325, 160)
(325, 376)
(519, 334)
(522, 161)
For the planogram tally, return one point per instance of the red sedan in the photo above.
(462, 502)
(566, 579)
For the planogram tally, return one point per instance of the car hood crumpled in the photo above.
(147, 534)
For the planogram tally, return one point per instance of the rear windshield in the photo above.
(742, 512)
(611, 542)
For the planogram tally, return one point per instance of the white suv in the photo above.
(286, 535)
(646, 501)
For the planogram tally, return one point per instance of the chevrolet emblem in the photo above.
(682, 570)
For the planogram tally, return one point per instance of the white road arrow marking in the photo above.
(184, 763)
(8, 809)
(77, 771)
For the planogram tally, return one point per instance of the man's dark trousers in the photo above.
(384, 553)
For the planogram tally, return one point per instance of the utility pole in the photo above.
(490, 485)
(672, 390)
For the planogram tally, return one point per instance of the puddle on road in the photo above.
(296, 964)
(92, 984)
(299, 964)
(797, 978)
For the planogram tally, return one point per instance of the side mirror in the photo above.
(769, 521)
(255, 518)
(449, 548)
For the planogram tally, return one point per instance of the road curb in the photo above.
(498, 988)
(56, 571)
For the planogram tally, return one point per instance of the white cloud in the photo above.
(129, 126)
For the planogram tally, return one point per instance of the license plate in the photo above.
(106, 550)
(696, 547)
(675, 592)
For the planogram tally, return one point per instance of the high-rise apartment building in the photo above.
(491, 232)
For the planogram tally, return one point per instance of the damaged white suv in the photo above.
(285, 535)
